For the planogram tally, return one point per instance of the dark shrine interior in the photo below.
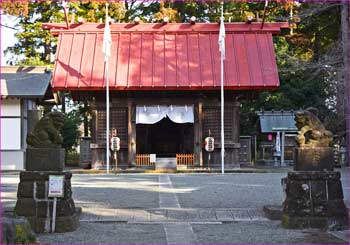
(164, 138)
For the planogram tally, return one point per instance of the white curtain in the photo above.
(181, 114)
(155, 113)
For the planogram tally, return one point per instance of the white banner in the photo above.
(222, 35)
(278, 142)
(107, 39)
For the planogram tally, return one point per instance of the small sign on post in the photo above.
(152, 158)
(56, 183)
(56, 189)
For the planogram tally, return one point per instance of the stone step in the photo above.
(93, 214)
(166, 163)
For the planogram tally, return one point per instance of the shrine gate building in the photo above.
(165, 85)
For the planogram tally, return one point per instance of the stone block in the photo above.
(41, 176)
(40, 224)
(65, 207)
(67, 189)
(39, 208)
(41, 189)
(297, 189)
(324, 223)
(314, 199)
(320, 209)
(335, 190)
(25, 190)
(291, 222)
(25, 207)
(44, 208)
(336, 208)
(273, 212)
(318, 190)
(313, 159)
(45, 159)
(313, 175)
(297, 206)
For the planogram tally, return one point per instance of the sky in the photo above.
(7, 35)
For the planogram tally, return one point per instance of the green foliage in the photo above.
(307, 61)
(307, 58)
(72, 158)
(34, 43)
(24, 235)
(70, 130)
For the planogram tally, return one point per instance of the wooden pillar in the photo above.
(131, 134)
(198, 134)
(235, 133)
(235, 123)
(97, 158)
(94, 124)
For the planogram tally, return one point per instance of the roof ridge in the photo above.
(25, 69)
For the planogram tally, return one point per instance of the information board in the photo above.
(152, 158)
(56, 186)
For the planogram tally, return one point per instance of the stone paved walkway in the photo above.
(176, 209)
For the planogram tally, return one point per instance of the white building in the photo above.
(22, 88)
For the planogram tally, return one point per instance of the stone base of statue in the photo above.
(313, 159)
(314, 199)
(33, 202)
(45, 159)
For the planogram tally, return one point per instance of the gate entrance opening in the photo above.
(164, 138)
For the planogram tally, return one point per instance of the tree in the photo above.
(70, 130)
(309, 57)
(308, 62)
(34, 43)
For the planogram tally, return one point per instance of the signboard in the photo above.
(209, 144)
(152, 157)
(115, 143)
(56, 186)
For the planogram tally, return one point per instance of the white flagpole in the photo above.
(107, 117)
(222, 49)
(106, 49)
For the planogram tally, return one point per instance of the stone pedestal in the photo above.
(45, 159)
(33, 202)
(314, 199)
(313, 159)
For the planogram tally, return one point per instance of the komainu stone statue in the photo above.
(313, 191)
(44, 152)
(311, 132)
(46, 133)
(45, 158)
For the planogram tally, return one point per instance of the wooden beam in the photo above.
(198, 134)
(178, 28)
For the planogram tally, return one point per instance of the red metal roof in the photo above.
(165, 57)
